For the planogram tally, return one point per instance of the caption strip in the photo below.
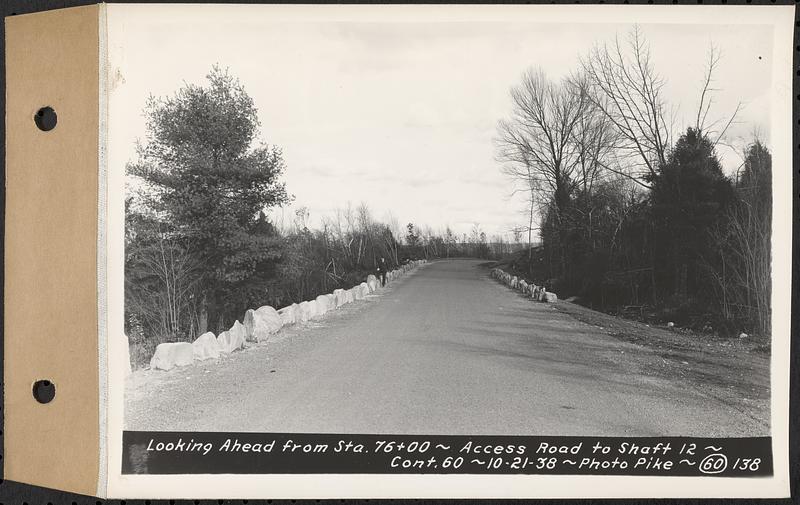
(259, 453)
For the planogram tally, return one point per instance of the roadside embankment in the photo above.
(258, 325)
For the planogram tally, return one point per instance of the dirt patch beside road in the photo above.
(732, 370)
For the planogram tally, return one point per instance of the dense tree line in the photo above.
(634, 215)
(199, 247)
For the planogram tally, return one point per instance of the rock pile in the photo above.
(538, 293)
(261, 323)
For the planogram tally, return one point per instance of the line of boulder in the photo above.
(261, 323)
(538, 293)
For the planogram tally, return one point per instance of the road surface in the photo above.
(448, 350)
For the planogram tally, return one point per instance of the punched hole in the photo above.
(45, 119)
(44, 391)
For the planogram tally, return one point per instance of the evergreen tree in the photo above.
(689, 195)
(755, 181)
(209, 182)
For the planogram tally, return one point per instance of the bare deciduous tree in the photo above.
(707, 101)
(161, 291)
(625, 86)
(595, 139)
(537, 142)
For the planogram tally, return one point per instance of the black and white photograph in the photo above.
(421, 223)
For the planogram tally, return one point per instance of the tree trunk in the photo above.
(530, 230)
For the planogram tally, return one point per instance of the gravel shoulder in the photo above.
(735, 371)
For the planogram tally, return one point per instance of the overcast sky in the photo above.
(402, 115)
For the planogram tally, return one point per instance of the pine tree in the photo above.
(209, 181)
(689, 195)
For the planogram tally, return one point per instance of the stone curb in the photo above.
(260, 323)
(538, 293)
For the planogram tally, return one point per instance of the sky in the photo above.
(400, 112)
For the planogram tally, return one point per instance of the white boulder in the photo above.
(288, 314)
(233, 339)
(372, 283)
(259, 324)
(238, 331)
(323, 305)
(550, 297)
(340, 296)
(364, 289)
(300, 313)
(306, 310)
(270, 318)
(250, 325)
(170, 355)
(206, 347)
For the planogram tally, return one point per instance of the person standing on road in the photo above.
(382, 271)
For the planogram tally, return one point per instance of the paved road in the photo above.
(444, 350)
